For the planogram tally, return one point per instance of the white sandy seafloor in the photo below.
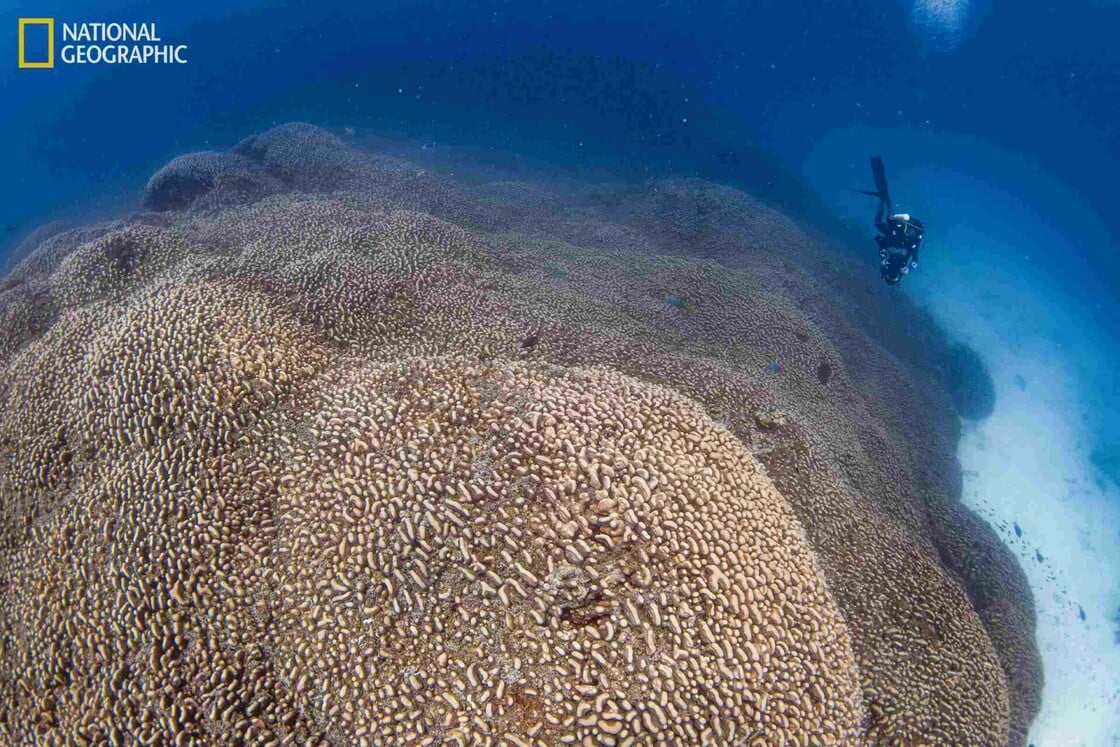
(1028, 464)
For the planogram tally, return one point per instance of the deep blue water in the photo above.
(1027, 78)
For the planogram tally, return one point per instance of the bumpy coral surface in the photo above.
(332, 450)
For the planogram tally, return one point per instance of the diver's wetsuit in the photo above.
(899, 242)
(900, 237)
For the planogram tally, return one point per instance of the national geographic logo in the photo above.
(95, 44)
(46, 58)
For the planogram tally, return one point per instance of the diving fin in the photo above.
(880, 174)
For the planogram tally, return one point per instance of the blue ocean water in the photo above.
(997, 122)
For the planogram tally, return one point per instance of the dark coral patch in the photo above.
(124, 251)
(824, 372)
(969, 382)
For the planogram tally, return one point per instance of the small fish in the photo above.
(9, 227)
(1018, 530)
(774, 367)
(1081, 613)
(677, 302)
(348, 131)
(1038, 556)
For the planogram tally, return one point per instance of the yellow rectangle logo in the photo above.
(23, 24)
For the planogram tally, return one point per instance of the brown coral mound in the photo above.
(316, 467)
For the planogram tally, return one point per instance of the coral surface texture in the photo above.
(332, 447)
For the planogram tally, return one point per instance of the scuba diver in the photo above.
(900, 236)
